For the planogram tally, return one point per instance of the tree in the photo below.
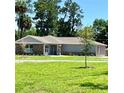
(16, 35)
(23, 20)
(100, 27)
(63, 29)
(86, 36)
(24, 23)
(57, 20)
(46, 17)
(70, 20)
(32, 31)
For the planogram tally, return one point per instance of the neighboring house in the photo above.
(50, 45)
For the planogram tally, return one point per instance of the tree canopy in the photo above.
(22, 7)
(71, 19)
(51, 17)
(46, 16)
(100, 27)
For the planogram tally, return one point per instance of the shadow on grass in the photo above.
(94, 86)
(102, 73)
(88, 67)
(105, 73)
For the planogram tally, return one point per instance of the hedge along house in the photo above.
(50, 45)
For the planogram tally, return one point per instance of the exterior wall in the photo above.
(106, 52)
(65, 50)
(74, 50)
(38, 49)
(19, 49)
(71, 50)
(101, 51)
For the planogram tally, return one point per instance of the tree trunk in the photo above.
(18, 33)
(73, 25)
(85, 61)
(21, 33)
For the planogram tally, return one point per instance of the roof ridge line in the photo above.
(35, 37)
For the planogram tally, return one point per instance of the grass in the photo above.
(61, 78)
(27, 57)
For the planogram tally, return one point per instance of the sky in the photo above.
(92, 9)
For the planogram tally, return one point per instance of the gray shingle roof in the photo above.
(69, 40)
(53, 40)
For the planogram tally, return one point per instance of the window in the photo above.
(28, 49)
(29, 46)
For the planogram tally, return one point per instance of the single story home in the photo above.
(50, 45)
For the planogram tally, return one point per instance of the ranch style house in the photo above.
(51, 45)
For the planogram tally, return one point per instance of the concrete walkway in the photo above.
(20, 61)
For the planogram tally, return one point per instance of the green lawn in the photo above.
(27, 57)
(61, 78)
